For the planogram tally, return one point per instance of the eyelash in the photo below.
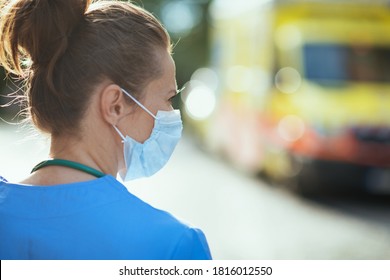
(176, 94)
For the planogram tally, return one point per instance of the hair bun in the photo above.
(39, 29)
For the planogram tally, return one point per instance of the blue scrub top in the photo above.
(97, 219)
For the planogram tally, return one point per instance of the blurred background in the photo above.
(286, 105)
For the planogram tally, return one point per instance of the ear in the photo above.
(113, 104)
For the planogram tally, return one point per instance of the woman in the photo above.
(100, 81)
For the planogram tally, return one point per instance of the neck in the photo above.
(86, 151)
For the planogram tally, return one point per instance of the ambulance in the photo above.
(298, 91)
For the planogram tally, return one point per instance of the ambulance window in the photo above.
(335, 64)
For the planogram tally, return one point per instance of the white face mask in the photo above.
(145, 159)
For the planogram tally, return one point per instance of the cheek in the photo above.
(148, 129)
(142, 128)
(159, 103)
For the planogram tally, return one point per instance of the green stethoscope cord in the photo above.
(70, 164)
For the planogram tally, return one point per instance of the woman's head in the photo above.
(66, 48)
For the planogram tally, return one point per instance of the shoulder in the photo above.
(192, 245)
(182, 241)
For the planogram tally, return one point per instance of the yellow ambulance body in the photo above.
(298, 90)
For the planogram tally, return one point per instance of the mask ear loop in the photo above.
(120, 133)
(139, 103)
